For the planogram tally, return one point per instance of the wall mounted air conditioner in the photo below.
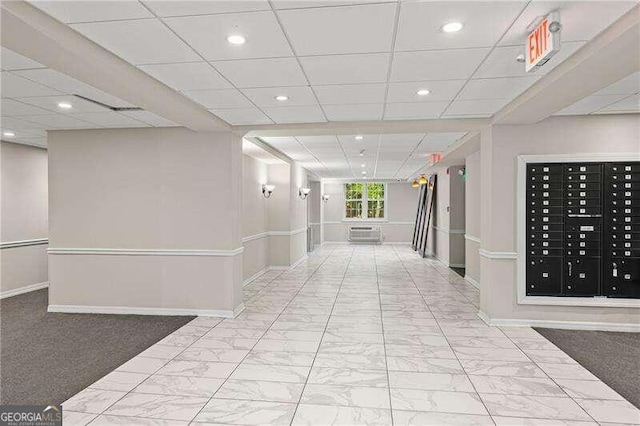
(368, 234)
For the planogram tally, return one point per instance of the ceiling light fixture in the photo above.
(452, 27)
(282, 98)
(362, 165)
(364, 172)
(8, 134)
(64, 105)
(236, 39)
(361, 153)
(423, 92)
(359, 137)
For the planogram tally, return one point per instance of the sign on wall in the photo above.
(543, 42)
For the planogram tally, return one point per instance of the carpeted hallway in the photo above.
(48, 357)
(612, 357)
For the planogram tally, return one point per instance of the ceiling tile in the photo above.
(502, 61)
(496, 88)
(364, 112)
(581, 20)
(319, 141)
(150, 118)
(351, 94)
(265, 97)
(415, 110)
(435, 142)
(279, 140)
(66, 84)
(436, 65)
(208, 35)
(352, 29)
(630, 104)
(626, 86)
(109, 119)
(303, 114)
(298, 4)
(91, 11)
(187, 76)
(242, 116)
(443, 90)
(590, 104)
(199, 7)
(476, 108)
(263, 72)
(12, 123)
(59, 121)
(50, 103)
(219, 99)
(14, 108)
(41, 142)
(484, 22)
(14, 86)
(11, 60)
(346, 69)
(145, 41)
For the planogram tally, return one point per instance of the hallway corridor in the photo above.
(353, 335)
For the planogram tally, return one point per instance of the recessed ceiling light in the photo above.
(362, 165)
(236, 39)
(359, 137)
(64, 105)
(282, 98)
(423, 92)
(361, 154)
(8, 134)
(452, 27)
(364, 172)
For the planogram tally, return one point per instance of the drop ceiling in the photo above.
(368, 156)
(335, 60)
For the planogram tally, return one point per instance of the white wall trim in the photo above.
(521, 219)
(315, 223)
(143, 252)
(471, 281)
(367, 221)
(26, 289)
(255, 237)
(447, 230)
(288, 267)
(457, 265)
(472, 238)
(565, 325)
(287, 233)
(130, 310)
(299, 261)
(255, 276)
(24, 243)
(505, 255)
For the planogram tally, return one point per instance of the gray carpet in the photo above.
(45, 358)
(612, 357)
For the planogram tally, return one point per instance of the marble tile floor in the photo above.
(353, 335)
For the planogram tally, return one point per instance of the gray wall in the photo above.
(173, 193)
(472, 218)
(499, 150)
(402, 202)
(24, 217)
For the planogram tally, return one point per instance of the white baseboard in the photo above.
(129, 310)
(564, 325)
(299, 261)
(22, 290)
(457, 265)
(471, 281)
(255, 276)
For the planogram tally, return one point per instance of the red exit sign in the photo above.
(542, 42)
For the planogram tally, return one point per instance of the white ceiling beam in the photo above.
(34, 34)
(606, 59)
(363, 127)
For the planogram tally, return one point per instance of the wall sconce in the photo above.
(325, 197)
(415, 183)
(267, 190)
(423, 180)
(303, 192)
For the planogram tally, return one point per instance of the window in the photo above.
(364, 200)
